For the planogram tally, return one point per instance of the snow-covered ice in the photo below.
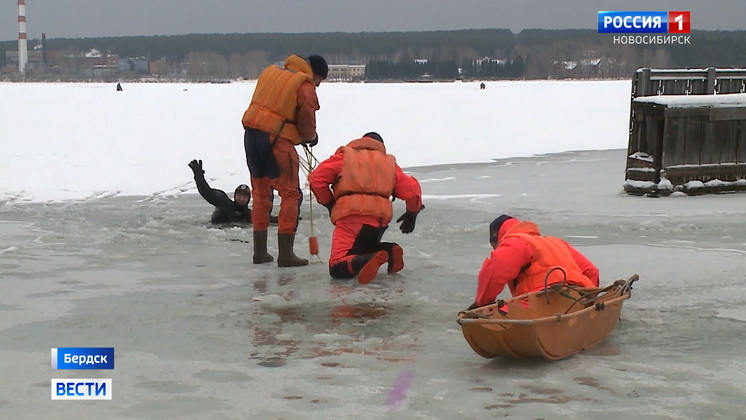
(695, 101)
(87, 141)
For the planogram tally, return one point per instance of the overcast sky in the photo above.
(99, 18)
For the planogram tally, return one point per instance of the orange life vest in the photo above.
(366, 181)
(549, 252)
(275, 101)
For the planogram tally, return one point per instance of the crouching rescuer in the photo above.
(521, 259)
(363, 178)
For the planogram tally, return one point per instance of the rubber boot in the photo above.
(287, 257)
(370, 265)
(396, 256)
(261, 255)
(396, 259)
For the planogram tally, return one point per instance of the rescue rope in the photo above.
(473, 315)
(553, 288)
(587, 299)
(309, 165)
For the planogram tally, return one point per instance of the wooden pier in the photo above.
(687, 132)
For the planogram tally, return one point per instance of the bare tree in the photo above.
(236, 64)
(256, 61)
(661, 59)
(466, 53)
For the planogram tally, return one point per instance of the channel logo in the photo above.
(81, 389)
(644, 22)
(79, 358)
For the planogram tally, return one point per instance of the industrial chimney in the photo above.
(22, 43)
(44, 50)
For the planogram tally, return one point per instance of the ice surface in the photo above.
(201, 333)
(88, 141)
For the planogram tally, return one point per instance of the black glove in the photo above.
(197, 168)
(313, 142)
(329, 206)
(408, 220)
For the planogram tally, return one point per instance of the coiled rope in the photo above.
(309, 164)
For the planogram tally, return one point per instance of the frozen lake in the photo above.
(201, 333)
(95, 142)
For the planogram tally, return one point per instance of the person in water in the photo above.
(226, 210)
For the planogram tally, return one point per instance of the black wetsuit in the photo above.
(226, 210)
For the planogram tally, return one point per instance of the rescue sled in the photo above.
(560, 321)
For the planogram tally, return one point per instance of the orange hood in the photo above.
(365, 143)
(516, 226)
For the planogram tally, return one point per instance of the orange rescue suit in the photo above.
(366, 181)
(549, 252)
(274, 105)
(523, 258)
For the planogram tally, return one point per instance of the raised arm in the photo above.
(215, 197)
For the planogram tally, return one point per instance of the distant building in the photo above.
(139, 65)
(35, 59)
(158, 67)
(35, 63)
(346, 72)
(98, 64)
(93, 53)
(92, 63)
(487, 60)
(350, 72)
(125, 64)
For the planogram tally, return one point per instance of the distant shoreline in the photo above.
(222, 81)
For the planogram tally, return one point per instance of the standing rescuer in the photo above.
(282, 115)
(363, 177)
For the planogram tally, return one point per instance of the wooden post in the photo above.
(655, 136)
(643, 83)
(631, 135)
(640, 87)
(659, 126)
(711, 80)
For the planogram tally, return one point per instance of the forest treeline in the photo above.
(484, 54)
